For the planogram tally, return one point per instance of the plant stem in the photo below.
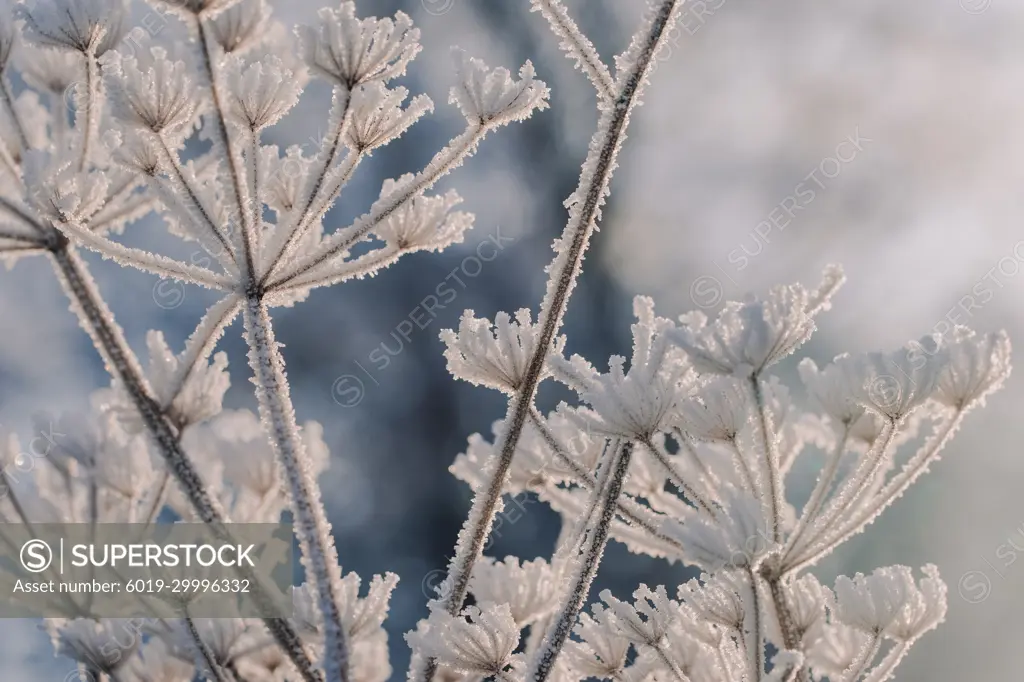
(558, 632)
(314, 532)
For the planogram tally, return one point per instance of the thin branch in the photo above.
(577, 46)
(819, 494)
(206, 52)
(145, 261)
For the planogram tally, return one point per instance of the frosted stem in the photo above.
(202, 651)
(884, 670)
(863, 660)
(677, 479)
(892, 490)
(752, 624)
(629, 511)
(92, 108)
(544, 661)
(773, 479)
(312, 528)
(820, 492)
(577, 46)
(206, 54)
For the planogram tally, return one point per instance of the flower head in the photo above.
(58, 191)
(261, 93)
(896, 383)
(872, 603)
(426, 223)
(977, 367)
(378, 117)
(352, 52)
(718, 412)
(498, 356)
(748, 337)
(492, 96)
(479, 640)
(79, 25)
(638, 403)
(530, 589)
(154, 95)
(924, 604)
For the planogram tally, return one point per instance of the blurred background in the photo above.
(775, 138)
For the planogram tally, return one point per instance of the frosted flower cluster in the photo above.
(713, 436)
(682, 452)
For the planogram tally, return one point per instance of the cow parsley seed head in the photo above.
(716, 601)
(57, 190)
(427, 223)
(492, 96)
(603, 650)
(872, 603)
(638, 403)
(894, 384)
(79, 25)
(807, 599)
(90, 641)
(718, 412)
(480, 640)
(260, 93)
(241, 26)
(192, 398)
(838, 647)
(734, 538)
(351, 52)
(494, 356)
(153, 94)
(978, 365)
(834, 388)
(530, 589)
(748, 337)
(924, 604)
(378, 116)
(189, 10)
(647, 621)
(47, 69)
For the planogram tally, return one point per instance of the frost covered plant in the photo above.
(680, 452)
(696, 407)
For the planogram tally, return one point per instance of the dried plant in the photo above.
(682, 453)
